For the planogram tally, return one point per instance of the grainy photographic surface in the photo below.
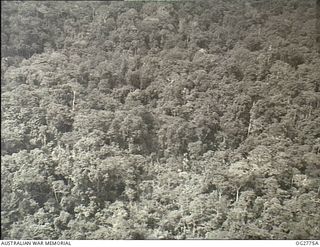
(160, 119)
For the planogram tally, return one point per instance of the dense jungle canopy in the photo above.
(160, 120)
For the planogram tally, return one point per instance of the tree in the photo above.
(159, 120)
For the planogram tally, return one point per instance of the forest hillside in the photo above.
(160, 120)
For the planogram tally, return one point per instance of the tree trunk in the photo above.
(44, 140)
(73, 100)
(193, 229)
(238, 192)
(56, 196)
(249, 127)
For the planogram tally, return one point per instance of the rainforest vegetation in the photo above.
(160, 120)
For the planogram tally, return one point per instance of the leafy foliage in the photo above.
(140, 120)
